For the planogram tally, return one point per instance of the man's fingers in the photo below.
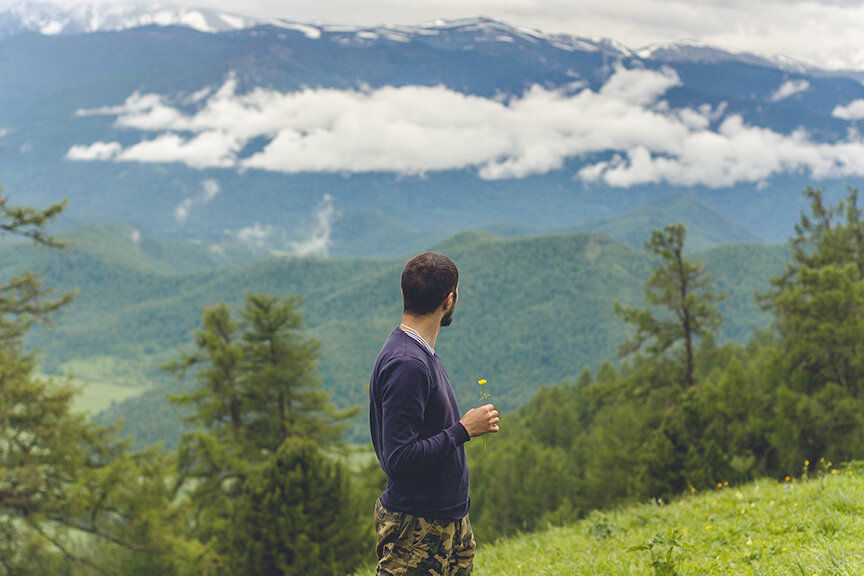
(493, 420)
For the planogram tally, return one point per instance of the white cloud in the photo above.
(209, 189)
(419, 129)
(256, 234)
(317, 238)
(134, 103)
(95, 151)
(790, 88)
(213, 149)
(854, 111)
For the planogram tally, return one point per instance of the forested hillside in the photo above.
(671, 419)
(260, 484)
(532, 311)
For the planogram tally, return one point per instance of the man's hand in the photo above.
(482, 420)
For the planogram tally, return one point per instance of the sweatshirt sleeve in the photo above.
(406, 389)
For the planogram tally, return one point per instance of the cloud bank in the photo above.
(418, 129)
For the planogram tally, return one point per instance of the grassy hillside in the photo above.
(532, 311)
(806, 528)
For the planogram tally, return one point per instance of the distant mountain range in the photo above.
(334, 140)
(53, 19)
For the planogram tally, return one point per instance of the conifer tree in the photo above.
(67, 487)
(258, 395)
(817, 302)
(295, 517)
(681, 287)
(817, 369)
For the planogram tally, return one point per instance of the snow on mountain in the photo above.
(52, 19)
(692, 51)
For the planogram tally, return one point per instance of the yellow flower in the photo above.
(481, 382)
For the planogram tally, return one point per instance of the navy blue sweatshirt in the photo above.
(414, 420)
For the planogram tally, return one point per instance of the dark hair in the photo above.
(427, 279)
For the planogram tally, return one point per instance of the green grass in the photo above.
(97, 396)
(800, 528)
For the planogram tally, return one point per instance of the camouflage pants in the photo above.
(414, 546)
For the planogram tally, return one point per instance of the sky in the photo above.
(625, 132)
(825, 33)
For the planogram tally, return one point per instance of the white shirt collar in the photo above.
(416, 336)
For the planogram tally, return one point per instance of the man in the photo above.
(422, 517)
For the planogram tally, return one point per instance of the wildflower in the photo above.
(788, 478)
(484, 399)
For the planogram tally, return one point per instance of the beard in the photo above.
(447, 319)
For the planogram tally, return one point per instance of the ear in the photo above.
(448, 301)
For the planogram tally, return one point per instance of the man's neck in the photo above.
(426, 326)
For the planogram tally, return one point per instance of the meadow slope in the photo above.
(801, 527)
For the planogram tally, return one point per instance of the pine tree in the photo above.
(295, 516)
(67, 488)
(817, 368)
(684, 289)
(259, 409)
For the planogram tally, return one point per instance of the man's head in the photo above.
(429, 282)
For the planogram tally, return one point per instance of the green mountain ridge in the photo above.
(706, 227)
(371, 233)
(532, 311)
